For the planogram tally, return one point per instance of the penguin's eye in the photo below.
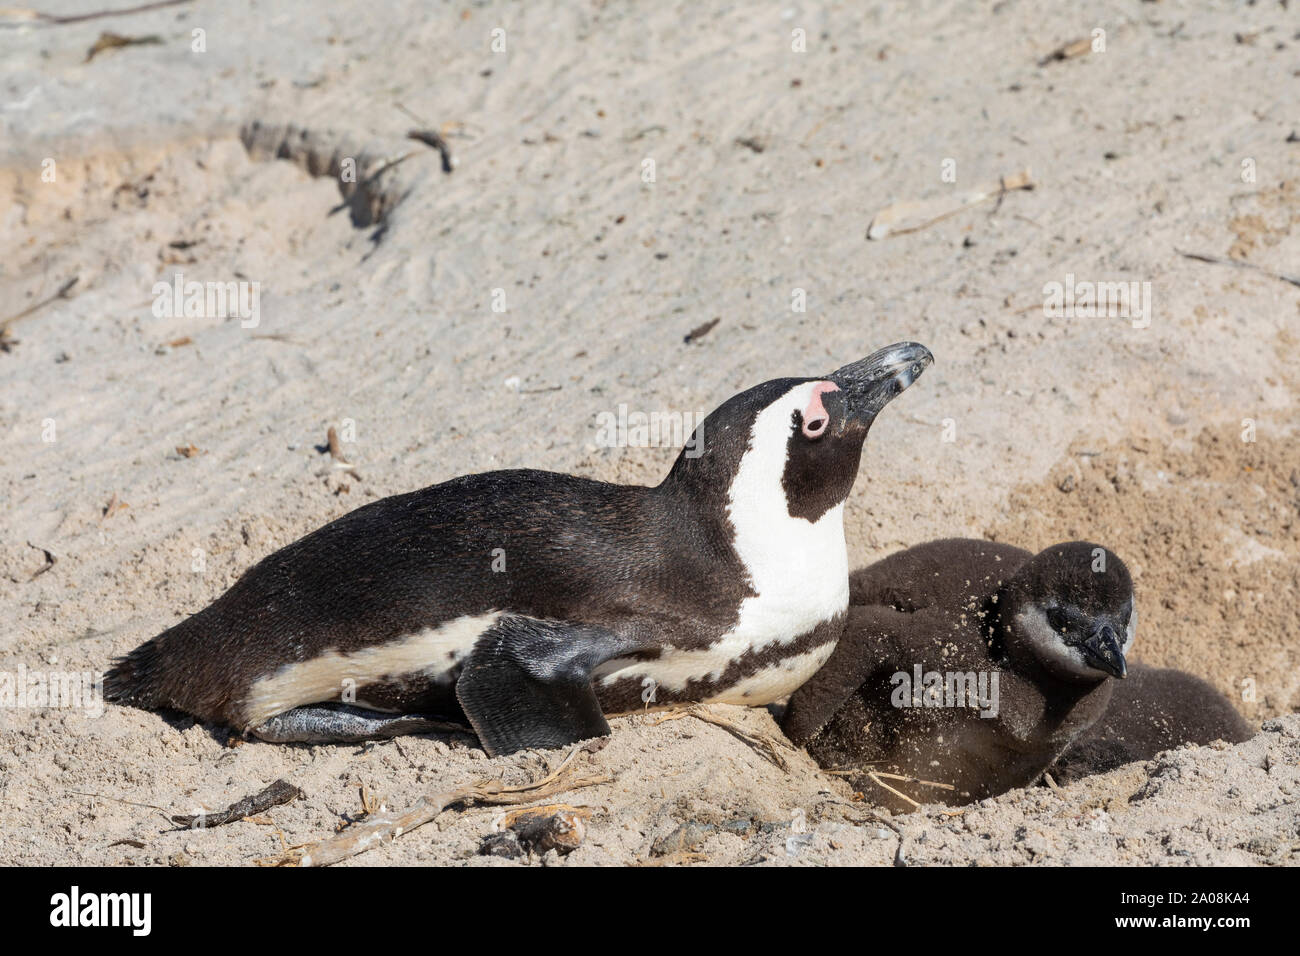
(1057, 620)
(814, 416)
(814, 428)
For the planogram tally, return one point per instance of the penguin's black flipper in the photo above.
(527, 683)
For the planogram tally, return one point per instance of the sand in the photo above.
(155, 458)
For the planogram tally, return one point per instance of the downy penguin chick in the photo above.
(969, 664)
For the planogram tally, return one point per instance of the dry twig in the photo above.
(767, 746)
(50, 560)
(697, 333)
(1239, 264)
(51, 19)
(6, 342)
(1068, 51)
(901, 218)
(336, 453)
(112, 41)
(388, 826)
(133, 803)
(431, 138)
(878, 777)
(281, 791)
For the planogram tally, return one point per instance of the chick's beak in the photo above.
(1102, 649)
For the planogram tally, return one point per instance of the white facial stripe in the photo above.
(799, 571)
(1048, 645)
(1131, 633)
(430, 652)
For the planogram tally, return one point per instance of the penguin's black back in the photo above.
(421, 559)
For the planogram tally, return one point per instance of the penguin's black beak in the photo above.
(1102, 650)
(870, 383)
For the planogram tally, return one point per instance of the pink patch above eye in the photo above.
(815, 416)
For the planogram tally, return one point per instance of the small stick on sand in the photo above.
(1068, 51)
(901, 218)
(906, 779)
(5, 341)
(875, 778)
(370, 804)
(431, 138)
(871, 812)
(133, 803)
(767, 746)
(281, 791)
(54, 20)
(332, 443)
(114, 41)
(115, 504)
(50, 560)
(387, 827)
(878, 777)
(1238, 264)
(697, 333)
(336, 452)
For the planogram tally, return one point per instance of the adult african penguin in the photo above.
(726, 582)
(967, 663)
(1153, 710)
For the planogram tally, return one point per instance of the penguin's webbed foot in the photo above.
(528, 683)
(341, 724)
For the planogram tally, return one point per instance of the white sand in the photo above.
(603, 275)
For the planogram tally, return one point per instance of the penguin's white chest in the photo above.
(799, 572)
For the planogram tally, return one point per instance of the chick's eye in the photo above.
(1057, 619)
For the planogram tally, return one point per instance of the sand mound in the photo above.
(1210, 528)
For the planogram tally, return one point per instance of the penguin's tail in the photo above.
(137, 678)
(168, 673)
